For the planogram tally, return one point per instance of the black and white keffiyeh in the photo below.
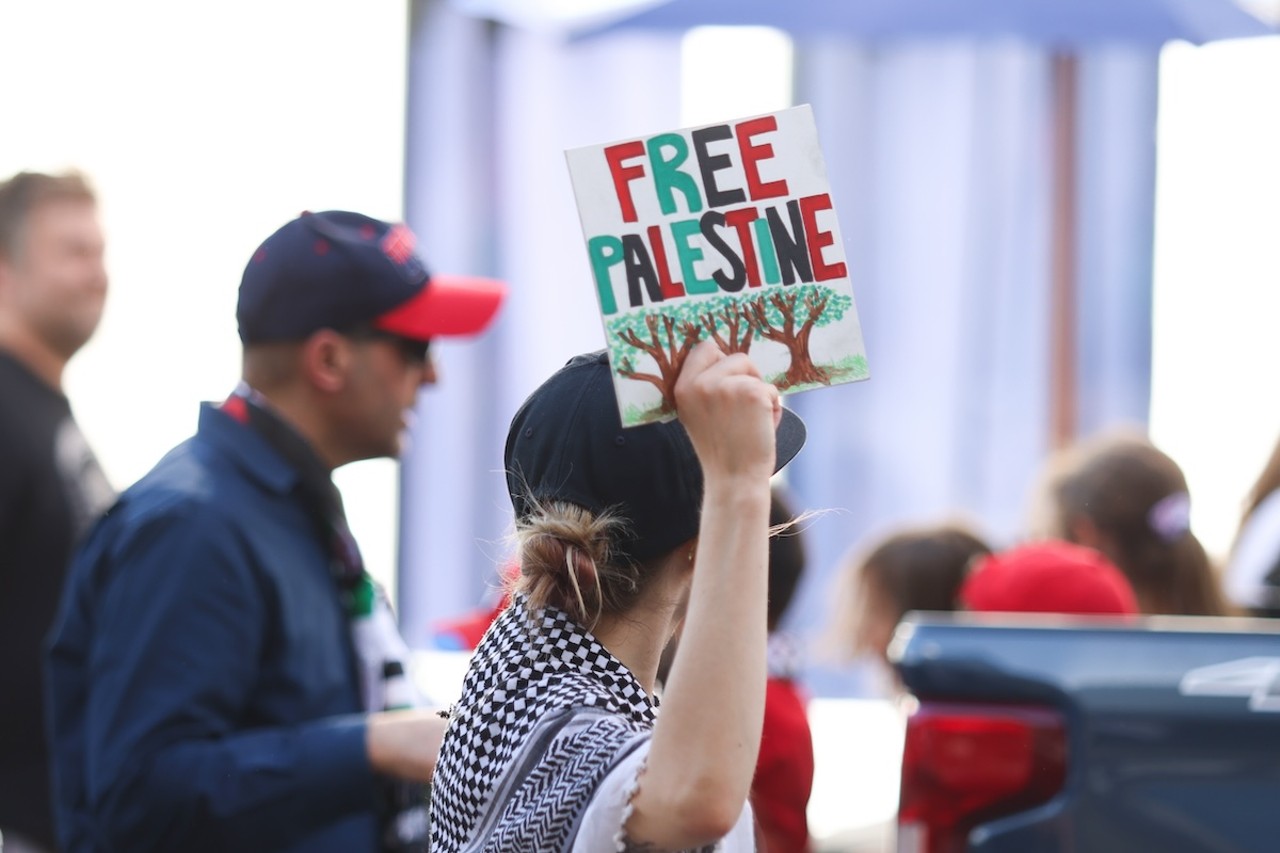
(546, 712)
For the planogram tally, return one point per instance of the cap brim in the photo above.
(448, 306)
(788, 439)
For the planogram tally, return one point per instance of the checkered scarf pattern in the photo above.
(528, 666)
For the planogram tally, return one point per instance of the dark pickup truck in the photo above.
(1154, 736)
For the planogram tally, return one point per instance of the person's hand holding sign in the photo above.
(730, 413)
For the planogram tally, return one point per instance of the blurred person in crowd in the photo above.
(222, 670)
(1047, 577)
(784, 771)
(917, 568)
(53, 284)
(1118, 493)
(556, 743)
(1252, 579)
(464, 633)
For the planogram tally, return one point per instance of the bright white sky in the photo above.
(204, 128)
(1214, 407)
(207, 127)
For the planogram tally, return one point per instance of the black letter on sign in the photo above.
(710, 164)
(711, 220)
(793, 254)
(635, 260)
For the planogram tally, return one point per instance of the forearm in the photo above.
(406, 744)
(708, 733)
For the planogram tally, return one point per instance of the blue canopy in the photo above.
(1052, 22)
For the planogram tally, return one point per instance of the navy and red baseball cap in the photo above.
(341, 270)
(567, 443)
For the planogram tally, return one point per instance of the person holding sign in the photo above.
(556, 743)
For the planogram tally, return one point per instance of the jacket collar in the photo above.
(247, 450)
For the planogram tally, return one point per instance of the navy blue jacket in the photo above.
(202, 682)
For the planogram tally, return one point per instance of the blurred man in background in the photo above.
(52, 287)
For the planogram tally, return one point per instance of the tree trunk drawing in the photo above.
(802, 370)
(667, 348)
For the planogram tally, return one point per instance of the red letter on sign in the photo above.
(753, 154)
(671, 289)
(819, 240)
(623, 175)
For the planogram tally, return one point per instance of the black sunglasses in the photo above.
(412, 350)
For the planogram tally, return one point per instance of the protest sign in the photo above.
(727, 232)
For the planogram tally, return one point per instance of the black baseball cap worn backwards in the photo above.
(341, 270)
(567, 443)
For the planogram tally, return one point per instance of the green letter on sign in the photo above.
(605, 251)
(667, 176)
(682, 231)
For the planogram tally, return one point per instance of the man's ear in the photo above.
(326, 360)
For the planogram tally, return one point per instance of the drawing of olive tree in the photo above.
(788, 316)
(666, 338)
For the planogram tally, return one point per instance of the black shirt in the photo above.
(51, 490)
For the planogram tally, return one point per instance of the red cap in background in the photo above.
(1048, 577)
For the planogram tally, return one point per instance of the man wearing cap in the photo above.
(221, 663)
